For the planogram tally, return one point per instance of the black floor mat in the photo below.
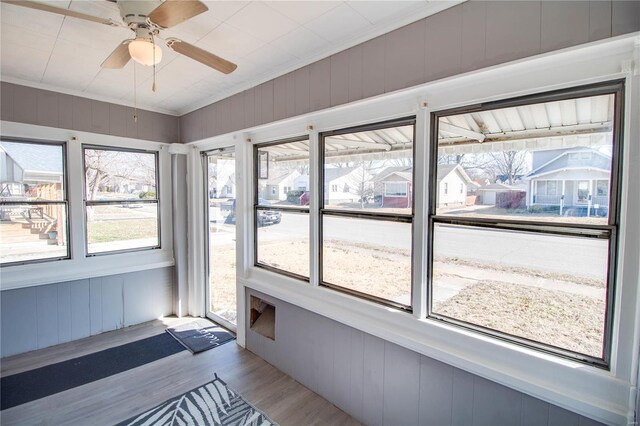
(200, 336)
(30, 385)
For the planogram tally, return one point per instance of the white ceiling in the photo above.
(265, 38)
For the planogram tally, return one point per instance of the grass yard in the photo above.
(553, 317)
(120, 230)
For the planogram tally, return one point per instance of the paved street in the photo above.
(576, 256)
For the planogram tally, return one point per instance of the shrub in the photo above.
(145, 195)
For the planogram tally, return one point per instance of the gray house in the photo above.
(577, 177)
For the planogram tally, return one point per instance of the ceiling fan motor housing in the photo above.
(134, 12)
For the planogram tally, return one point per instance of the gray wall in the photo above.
(466, 37)
(41, 316)
(378, 382)
(45, 108)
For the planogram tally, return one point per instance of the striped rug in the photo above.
(211, 404)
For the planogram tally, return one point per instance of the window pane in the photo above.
(281, 168)
(368, 256)
(546, 288)
(365, 162)
(113, 227)
(119, 175)
(32, 232)
(283, 240)
(31, 172)
(531, 162)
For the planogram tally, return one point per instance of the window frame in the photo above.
(257, 206)
(88, 203)
(367, 215)
(610, 231)
(64, 201)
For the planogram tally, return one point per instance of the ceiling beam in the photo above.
(461, 131)
(359, 144)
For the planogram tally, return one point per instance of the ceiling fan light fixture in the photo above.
(142, 51)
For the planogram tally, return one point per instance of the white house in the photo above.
(452, 185)
(347, 184)
(276, 188)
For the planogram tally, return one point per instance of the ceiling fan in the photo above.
(145, 19)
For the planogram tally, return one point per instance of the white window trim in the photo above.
(606, 396)
(79, 266)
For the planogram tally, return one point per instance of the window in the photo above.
(446, 187)
(366, 236)
(461, 188)
(602, 188)
(33, 202)
(395, 189)
(334, 188)
(540, 276)
(121, 200)
(345, 188)
(549, 187)
(282, 220)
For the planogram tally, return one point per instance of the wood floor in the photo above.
(121, 396)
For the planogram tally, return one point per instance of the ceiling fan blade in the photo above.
(172, 12)
(61, 11)
(200, 55)
(119, 57)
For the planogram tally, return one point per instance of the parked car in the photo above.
(267, 217)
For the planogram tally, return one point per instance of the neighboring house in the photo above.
(394, 186)
(576, 177)
(453, 182)
(489, 194)
(276, 188)
(25, 172)
(223, 179)
(347, 184)
(301, 183)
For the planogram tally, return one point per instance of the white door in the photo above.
(220, 199)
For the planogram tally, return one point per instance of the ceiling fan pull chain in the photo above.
(153, 41)
(135, 98)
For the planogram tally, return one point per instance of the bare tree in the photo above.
(117, 168)
(509, 164)
(361, 182)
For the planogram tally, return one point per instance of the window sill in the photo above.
(29, 275)
(584, 389)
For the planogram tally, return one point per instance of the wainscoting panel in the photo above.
(38, 317)
(378, 382)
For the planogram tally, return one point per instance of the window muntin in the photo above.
(366, 233)
(121, 200)
(281, 214)
(575, 222)
(33, 202)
